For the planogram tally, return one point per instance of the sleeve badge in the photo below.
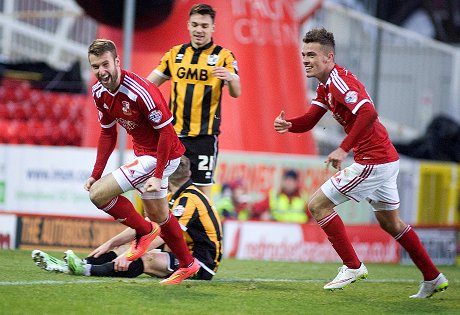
(351, 97)
(155, 116)
(178, 211)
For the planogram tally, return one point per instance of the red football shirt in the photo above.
(138, 106)
(343, 95)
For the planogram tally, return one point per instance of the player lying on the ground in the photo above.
(201, 227)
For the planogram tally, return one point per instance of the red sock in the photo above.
(411, 243)
(335, 230)
(124, 212)
(172, 235)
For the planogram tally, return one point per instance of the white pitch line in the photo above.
(6, 283)
(234, 280)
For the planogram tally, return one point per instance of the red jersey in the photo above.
(344, 95)
(138, 106)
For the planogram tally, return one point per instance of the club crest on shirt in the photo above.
(351, 97)
(155, 116)
(212, 60)
(125, 108)
(179, 57)
(106, 106)
(178, 211)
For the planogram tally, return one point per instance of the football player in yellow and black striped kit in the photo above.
(201, 227)
(199, 70)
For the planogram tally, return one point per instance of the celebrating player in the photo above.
(138, 106)
(371, 177)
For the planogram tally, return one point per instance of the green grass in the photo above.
(240, 287)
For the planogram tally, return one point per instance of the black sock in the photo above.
(135, 269)
(103, 270)
(104, 258)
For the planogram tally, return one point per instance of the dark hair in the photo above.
(321, 36)
(203, 9)
(99, 46)
(291, 174)
(182, 171)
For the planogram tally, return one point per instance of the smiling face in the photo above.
(200, 28)
(318, 61)
(106, 69)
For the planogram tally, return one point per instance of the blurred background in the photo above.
(405, 52)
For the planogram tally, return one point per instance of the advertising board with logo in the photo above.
(47, 180)
(304, 242)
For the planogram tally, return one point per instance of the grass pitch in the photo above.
(240, 287)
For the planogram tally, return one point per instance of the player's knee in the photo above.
(319, 208)
(314, 206)
(392, 226)
(96, 196)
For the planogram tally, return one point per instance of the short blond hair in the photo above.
(99, 46)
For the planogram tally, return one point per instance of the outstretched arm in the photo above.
(281, 124)
(299, 124)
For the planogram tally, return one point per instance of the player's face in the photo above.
(106, 69)
(317, 61)
(200, 28)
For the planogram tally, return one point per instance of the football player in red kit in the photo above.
(137, 105)
(371, 177)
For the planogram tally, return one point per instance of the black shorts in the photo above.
(202, 152)
(202, 274)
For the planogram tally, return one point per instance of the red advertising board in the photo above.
(297, 242)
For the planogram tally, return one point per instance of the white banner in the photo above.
(48, 180)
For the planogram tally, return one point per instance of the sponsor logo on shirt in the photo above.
(351, 97)
(155, 116)
(127, 124)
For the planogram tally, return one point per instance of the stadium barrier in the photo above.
(242, 239)
(48, 180)
(46, 183)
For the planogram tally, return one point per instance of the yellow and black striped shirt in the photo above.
(203, 233)
(195, 93)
